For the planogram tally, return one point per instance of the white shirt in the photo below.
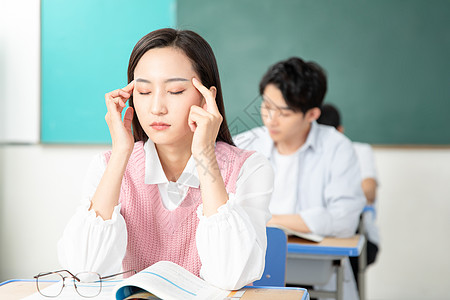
(285, 184)
(91, 243)
(327, 179)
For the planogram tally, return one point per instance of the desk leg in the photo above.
(362, 264)
(339, 279)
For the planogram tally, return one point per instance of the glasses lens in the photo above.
(89, 285)
(50, 285)
(268, 112)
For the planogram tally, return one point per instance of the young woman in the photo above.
(173, 187)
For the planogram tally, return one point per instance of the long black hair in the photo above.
(202, 58)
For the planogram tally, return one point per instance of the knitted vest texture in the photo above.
(155, 233)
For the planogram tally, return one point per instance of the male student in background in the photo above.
(330, 116)
(317, 186)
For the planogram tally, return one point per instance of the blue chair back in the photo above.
(275, 268)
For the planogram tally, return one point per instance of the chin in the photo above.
(160, 140)
(275, 136)
(167, 139)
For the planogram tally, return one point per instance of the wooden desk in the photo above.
(17, 288)
(312, 263)
(20, 288)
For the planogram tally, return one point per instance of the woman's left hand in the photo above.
(204, 122)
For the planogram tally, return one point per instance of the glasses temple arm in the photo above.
(109, 276)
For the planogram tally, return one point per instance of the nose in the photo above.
(270, 116)
(158, 105)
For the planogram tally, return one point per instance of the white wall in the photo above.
(39, 190)
(19, 71)
(414, 219)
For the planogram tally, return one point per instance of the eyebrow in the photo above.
(166, 81)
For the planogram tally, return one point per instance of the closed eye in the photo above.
(148, 93)
(177, 93)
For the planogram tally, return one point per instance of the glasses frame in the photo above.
(271, 112)
(75, 277)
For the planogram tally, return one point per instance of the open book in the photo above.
(167, 280)
(307, 236)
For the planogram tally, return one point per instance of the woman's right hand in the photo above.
(121, 134)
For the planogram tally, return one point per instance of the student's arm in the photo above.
(231, 235)
(369, 186)
(232, 243)
(205, 123)
(341, 196)
(366, 159)
(292, 221)
(106, 196)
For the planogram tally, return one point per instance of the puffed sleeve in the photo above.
(232, 243)
(90, 243)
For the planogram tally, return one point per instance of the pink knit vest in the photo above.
(155, 233)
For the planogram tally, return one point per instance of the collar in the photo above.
(268, 146)
(154, 173)
(312, 139)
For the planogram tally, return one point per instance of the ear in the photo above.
(313, 114)
(340, 128)
(213, 91)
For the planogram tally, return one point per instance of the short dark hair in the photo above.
(302, 84)
(329, 116)
(203, 61)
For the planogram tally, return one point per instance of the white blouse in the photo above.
(231, 243)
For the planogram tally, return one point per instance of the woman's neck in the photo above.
(173, 160)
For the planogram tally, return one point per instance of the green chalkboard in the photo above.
(85, 47)
(387, 61)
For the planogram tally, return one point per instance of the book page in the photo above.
(167, 280)
(307, 236)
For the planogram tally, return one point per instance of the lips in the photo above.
(273, 131)
(159, 125)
